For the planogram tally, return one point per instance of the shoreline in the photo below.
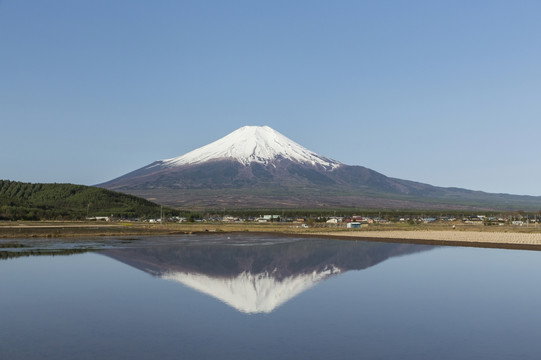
(499, 240)
(508, 238)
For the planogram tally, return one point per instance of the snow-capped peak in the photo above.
(248, 144)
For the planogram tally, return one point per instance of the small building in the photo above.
(99, 218)
(474, 220)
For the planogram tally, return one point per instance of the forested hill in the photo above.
(27, 201)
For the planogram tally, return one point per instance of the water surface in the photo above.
(264, 297)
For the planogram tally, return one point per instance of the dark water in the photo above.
(246, 297)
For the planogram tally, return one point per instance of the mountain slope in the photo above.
(256, 167)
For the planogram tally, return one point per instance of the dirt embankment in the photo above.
(494, 239)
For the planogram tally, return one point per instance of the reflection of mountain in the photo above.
(251, 293)
(259, 275)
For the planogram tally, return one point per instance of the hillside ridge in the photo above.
(39, 201)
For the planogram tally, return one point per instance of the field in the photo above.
(523, 237)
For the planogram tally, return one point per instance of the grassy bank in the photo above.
(15, 229)
(26, 229)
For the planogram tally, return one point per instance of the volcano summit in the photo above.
(257, 167)
(253, 144)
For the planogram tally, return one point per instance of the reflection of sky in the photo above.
(450, 303)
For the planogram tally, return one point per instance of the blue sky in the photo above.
(446, 93)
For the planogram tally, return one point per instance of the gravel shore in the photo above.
(471, 238)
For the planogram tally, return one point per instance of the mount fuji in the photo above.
(257, 167)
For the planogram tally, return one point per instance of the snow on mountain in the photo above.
(248, 144)
(251, 293)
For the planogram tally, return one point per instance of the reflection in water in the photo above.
(251, 293)
(257, 274)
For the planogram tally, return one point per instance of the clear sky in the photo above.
(441, 92)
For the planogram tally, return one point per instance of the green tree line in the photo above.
(29, 201)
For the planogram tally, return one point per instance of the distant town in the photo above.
(350, 221)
